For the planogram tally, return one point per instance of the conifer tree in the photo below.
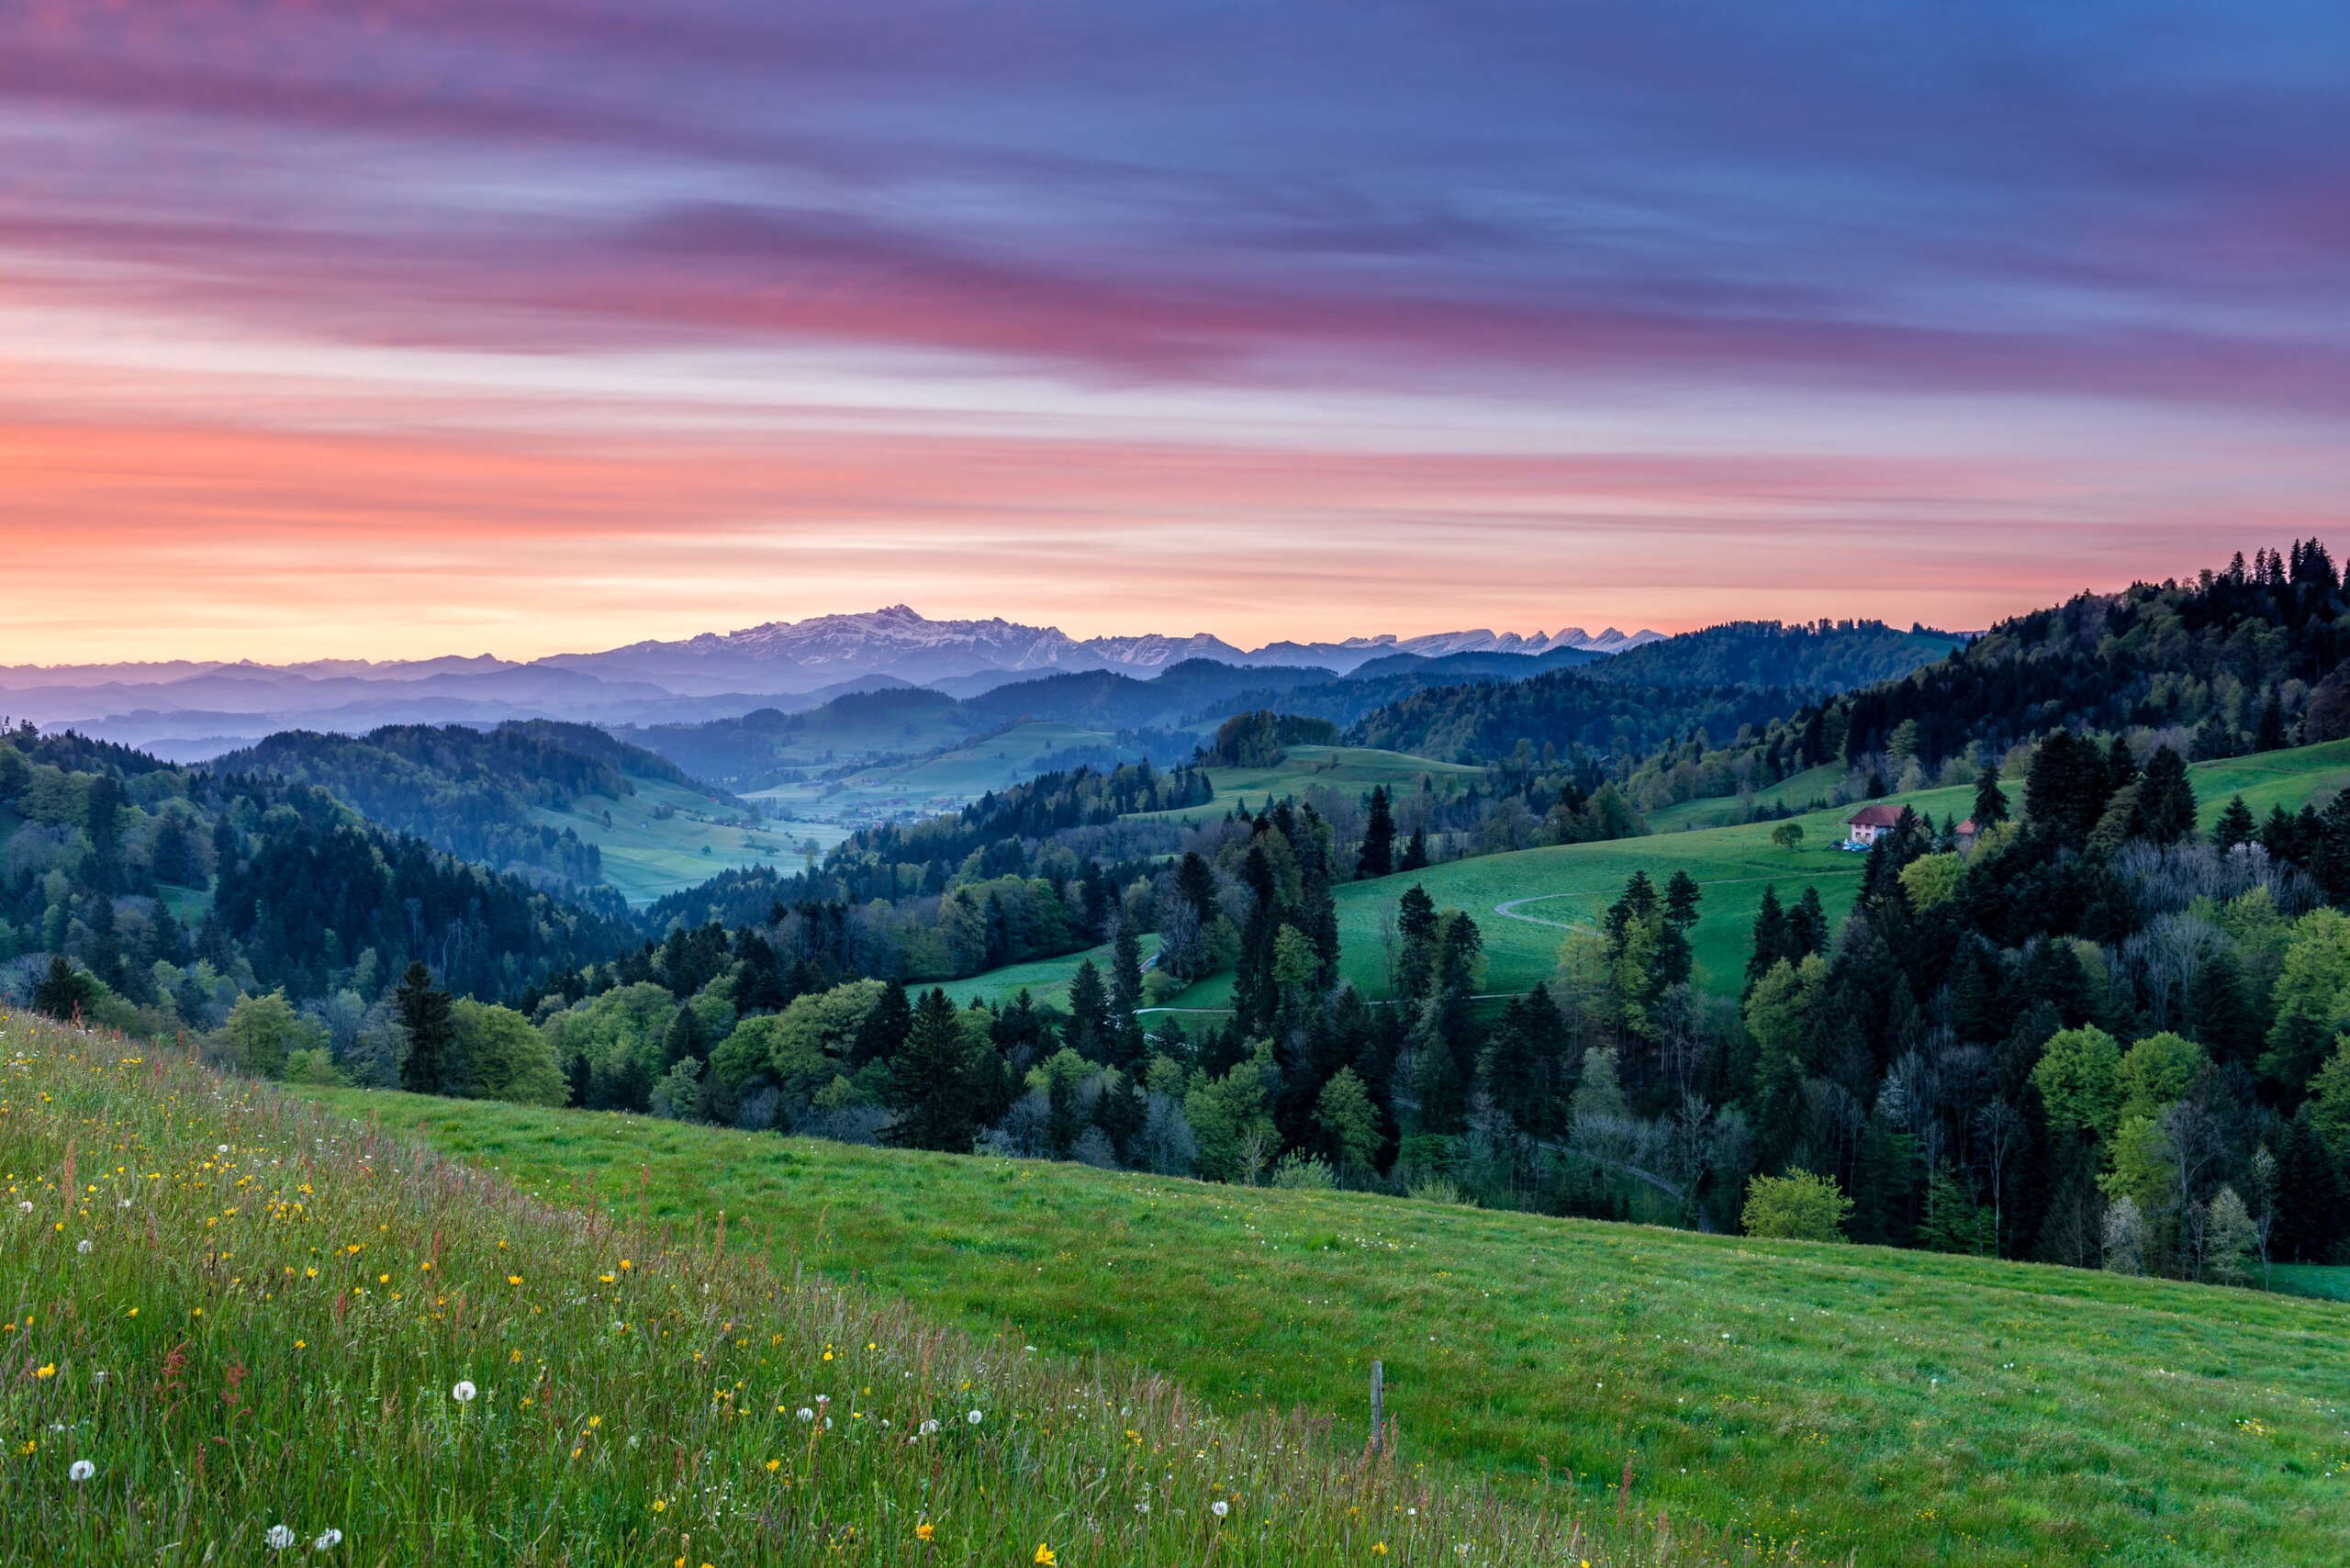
(2235, 826)
(1089, 1012)
(1378, 856)
(2165, 810)
(930, 1084)
(1416, 852)
(1990, 800)
(427, 1019)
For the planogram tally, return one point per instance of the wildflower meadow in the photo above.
(240, 1329)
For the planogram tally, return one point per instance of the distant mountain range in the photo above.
(194, 709)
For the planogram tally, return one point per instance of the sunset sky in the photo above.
(399, 327)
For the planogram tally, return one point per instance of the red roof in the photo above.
(1964, 829)
(1879, 816)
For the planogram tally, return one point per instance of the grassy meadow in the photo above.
(1524, 902)
(1808, 1403)
(646, 855)
(1353, 770)
(941, 782)
(242, 1327)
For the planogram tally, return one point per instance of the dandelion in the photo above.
(773, 1465)
(24, 1207)
(805, 1413)
(80, 1470)
(1044, 1557)
(49, 1370)
(327, 1540)
(660, 1505)
(1379, 1548)
(464, 1393)
(82, 1246)
(973, 1417)
(1219, 1508)
(279, 1537)
(925, 1531)
(928, 1428)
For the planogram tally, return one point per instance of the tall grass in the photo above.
(271, 1333)
(1814, 1400)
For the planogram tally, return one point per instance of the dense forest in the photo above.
(156, 896)
(2234, 661)
(471, 791)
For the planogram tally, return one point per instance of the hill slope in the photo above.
(262, 1326)
(566, 803)
(1813, 1401)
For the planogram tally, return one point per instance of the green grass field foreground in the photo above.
(1814, 1403)
(242, 1328)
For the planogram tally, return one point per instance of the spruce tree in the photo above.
(2235, 826)
(931, 1086)
(2165, 810)
(1416, 852)
(427, 1019)
(62, 992)
(1378, 857)
(1770, 937)
(1990, 800)
(1087, 1031)
(1415, 921)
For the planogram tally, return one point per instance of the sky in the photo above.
(391, 328)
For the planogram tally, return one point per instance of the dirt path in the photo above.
(1507, 909)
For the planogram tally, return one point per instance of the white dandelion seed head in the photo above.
(26, 1207)
(806, 1414)
(1219, 1508)
(80, 1470)
(974, 1417)
(224, 1148)
(464, 1393)
(278, 1539)
(928, 1428)
(327, 1540)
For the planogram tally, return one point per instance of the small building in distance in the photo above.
(1871, 822)
(1962, 837)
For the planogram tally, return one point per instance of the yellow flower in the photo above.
(49, 1370)
(301, 1344)
(925, 1531)
(626, 1264)
(513, 1278)
(1044, 1558)
(595, 1420)
(660, 1506)
(1379, 1548)
(606, 1279)
(773, 1464)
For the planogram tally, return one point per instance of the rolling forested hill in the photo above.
(567, 804)
(171, 892)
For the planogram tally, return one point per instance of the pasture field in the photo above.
(646, 855)
(1354, 770)
(942, 782)
(2323, 1282)
(1524, 902)
(1817, 1403)
(245, 1328)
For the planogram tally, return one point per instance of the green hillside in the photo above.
(245, 1329)
(1814, 1401)
(1353, 770)
(664, 836)
(942, 782)
(1524, 903)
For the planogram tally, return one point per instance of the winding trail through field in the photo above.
(1507, 909)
